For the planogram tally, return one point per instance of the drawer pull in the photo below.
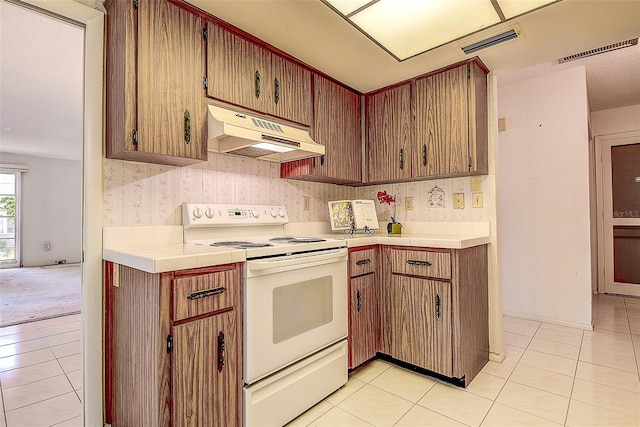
(363, 261)
(206, 293)
(420, 263)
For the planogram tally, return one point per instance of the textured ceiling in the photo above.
(41, 71)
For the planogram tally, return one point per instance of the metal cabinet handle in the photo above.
(276, 91)
(206, 293)
(221, 361)
(322, 160)
(402, 159)
(363, 261)
(358, 301)
(187, 127)
(257, 84)
(438, 307)
(424, 154)
(420, 263)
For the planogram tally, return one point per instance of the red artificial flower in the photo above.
(383, 197)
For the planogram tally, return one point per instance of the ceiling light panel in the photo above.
(348, 6)
(409, 27)
(511, 8)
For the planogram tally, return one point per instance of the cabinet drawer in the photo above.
(362, 262)
(421, 263)
(204, 293)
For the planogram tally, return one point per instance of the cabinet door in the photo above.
(171, 111)
(421, 323)
(290, 87)
(336, 125)
(205, 366)
(237, 70)
(364, 320)
(442, 124)
(389, 134)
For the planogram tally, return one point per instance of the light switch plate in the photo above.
(476, 184)
(476, 200)
(408, 203)
(458, 200)
(306, 203)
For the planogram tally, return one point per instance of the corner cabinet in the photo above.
(173, 346)
(336, 125)
(154, 96)
(437, 316)
(389, 138)
(364, 317)
(245, 74)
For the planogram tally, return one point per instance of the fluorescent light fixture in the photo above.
(272, 147)
(406, 28)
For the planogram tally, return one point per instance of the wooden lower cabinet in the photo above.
(434, 309)
(173, 347)
(364, 306)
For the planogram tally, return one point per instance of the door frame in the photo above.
(93, 118)
(603, 247)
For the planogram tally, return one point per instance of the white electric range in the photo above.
(294, 312)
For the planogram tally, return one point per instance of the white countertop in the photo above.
(160, 249)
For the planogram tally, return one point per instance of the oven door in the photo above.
(294, 306)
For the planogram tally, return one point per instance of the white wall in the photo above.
(543, 198)
(51, 209)
(615, 120)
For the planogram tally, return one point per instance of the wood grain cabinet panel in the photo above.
(421, 323)
(364, 305)
(171, 362)
(438, 324)
(451, 122)
(390, 135)
(245, 74)
(336, 125)
(155, 111)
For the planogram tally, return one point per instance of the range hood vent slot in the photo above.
(240, 134)
(489, 42)
(599, 50)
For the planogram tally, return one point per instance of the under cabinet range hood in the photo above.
(243, 135)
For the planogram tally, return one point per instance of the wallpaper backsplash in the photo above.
(143, 194)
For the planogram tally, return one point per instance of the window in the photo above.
(9, 219)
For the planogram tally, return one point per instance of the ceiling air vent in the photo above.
(491, 41)
(597, 51)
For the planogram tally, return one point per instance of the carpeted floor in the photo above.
(36, 293)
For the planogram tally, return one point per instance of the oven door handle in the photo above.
(296, 260)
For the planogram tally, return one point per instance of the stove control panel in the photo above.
(217, 215)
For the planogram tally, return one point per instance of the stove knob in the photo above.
(197, 213)
(255, 213)
(281, 212)
(274, 212)
(209, 213)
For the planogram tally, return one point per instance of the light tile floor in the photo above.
(552, 375)
(41, 373)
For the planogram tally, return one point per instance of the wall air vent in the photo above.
(599, 50)
(491, 41)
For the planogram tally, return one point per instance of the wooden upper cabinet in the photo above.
(336, 125)
(247, 75)
(451, 122)
(389, 134)
(155, 110)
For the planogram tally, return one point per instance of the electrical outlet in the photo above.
(408, 203)
(47, 245)
(476, 200)
(306, 203)
(458, 200)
